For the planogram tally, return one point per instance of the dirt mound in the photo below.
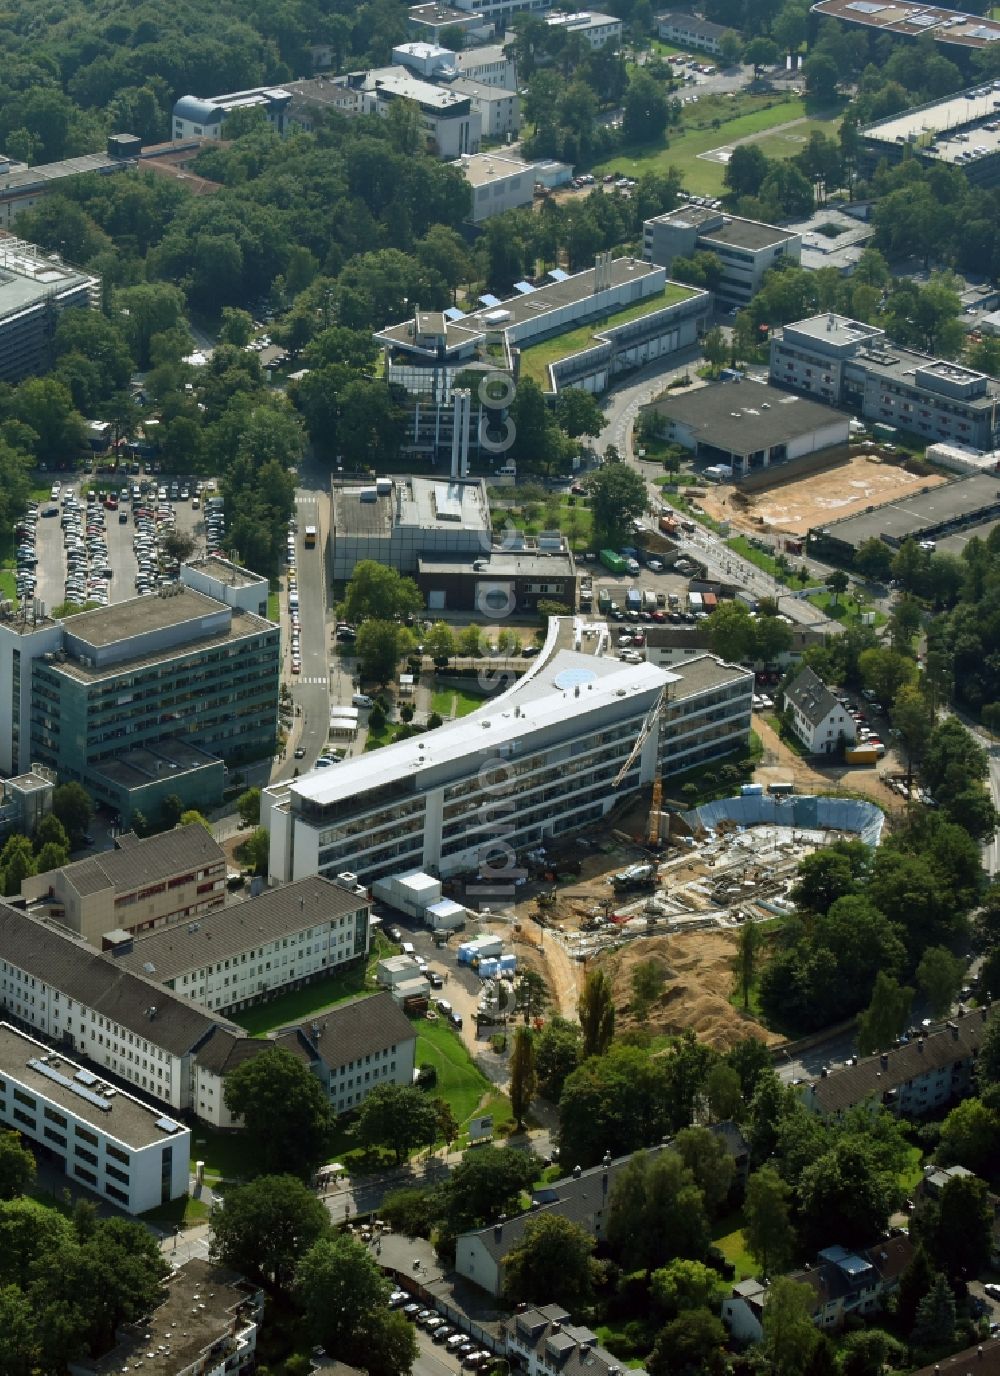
(699, 970)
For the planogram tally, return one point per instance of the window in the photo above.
(84, 1174)
(87, 1155)
(25, 1099)
(55, 1117)
(85, 1134)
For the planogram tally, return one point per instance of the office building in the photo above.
(690, 31)
(431, 21)
(206, 1324)
(489, 64)
(396, 521)
(499, 110)
(195, 117)
(34, 288)
(667, 646)
(246, 952)
(597, 30)
(748, 428)
(141, 885)
(23, 188)
(568, 725)
(909, 20)
(822, 725)
(102, 1137)
(850, 364)
(960, 130)
(746, 249)
(25, 800)
(227, 583)
(141, 699)
(920, 1077)
(499, 182)
(501, 582)
(450, 125)
(544, 1341)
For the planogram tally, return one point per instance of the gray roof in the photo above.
(704, 675)
(226, 1049)
(948, 508)
(140, 615)
(811, 696)
(237, 927)
(136, 862)
(693, 23)
(741, 418)
(64, 962)
(502, 564)
(564, 1347)
(875, 1076)
(354, 1029)
(225, 571)
(197, 110)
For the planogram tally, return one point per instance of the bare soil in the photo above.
(780, 763)
(799, 503)
(698, 969)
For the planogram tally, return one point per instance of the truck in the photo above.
(648, 600)
(635, 877)
(673, 602)
(668, 524)
(861, 754)
(633, 600)
(695, 603)
(613, 561)
(603, 601)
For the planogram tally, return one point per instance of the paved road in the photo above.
(310, 688)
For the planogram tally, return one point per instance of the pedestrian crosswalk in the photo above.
(306, 679)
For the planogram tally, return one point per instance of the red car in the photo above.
(578, 490)
(659, 617)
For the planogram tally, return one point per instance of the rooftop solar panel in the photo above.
(523, 287)
(488, 300)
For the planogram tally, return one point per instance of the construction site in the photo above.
(613, 899)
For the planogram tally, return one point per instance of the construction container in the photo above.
(861, 754)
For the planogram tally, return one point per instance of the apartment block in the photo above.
(545, 1342)
(745, 248)
(850, 364)
(140, 885)
(205, 1325)
(690, 31)
(102, 1137)
(34, 288)
(246, 952)
(140, 699)
(558, 737)
(597, 30)
(23, 188)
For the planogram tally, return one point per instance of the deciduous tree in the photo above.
(285, 1110)
(551, 1264)
(597, 1013)
(768, 1231)
(522, 1074)
(267, 1227)
(399, 1117)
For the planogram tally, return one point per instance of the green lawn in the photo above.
(536, 358)
(179, 1213)
(299, 1004)
(448, 702)
(700, 135)
(459, 1080)
(733, 1248)
(912, 1173)
(273, 610)
(762, 560)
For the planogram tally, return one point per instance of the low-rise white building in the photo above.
(499, 109)
(499, 182)
(226, 582)
(101, 1136)
(690, 31)
(817, 718)
(598, 30)
(449, 123)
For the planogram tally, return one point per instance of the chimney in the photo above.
(884, 1060)
(920, 1045)
(577, 1172)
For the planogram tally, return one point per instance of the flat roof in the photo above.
(20, 179)
(703, 675)
(741, 418)
(140, 615)
(478, 169)
(225, 571)
(549, 297)
(28, 275)
(958, 501)
(400, 81)
(907, 17)
(66, 1083)
(955, 130)
(502, 564)
(835, 329)
(734, 230)
(536, 703)
(239, 626)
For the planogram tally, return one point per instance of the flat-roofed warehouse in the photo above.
(749, 427)
(952, 511)
(909, 19)
(961, 130)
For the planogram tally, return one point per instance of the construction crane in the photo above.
(656, 802)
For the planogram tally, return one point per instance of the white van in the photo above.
(362, 700)
(408, 948)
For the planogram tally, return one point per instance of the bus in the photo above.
(310, 537)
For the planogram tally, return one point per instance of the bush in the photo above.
(376, 718)
(434, 720)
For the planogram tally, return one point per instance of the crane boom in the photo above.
(640, 740)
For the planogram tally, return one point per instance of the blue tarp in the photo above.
(805, 812)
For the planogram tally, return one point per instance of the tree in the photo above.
(617, 498)
(486, 1183)
(935, 1318)
(613, 1103)
(73, 807)
(682, 1285)
(873, 559)
(790, 1337)
(379, 593)
(379, 646)
(838, 583)
(870, 1352)
(821, 76)
(17, 1166)
(730, 48)
(828, 875)
(248, 806)
(647, 986)
(914, 1283)
(50, 831)
(885, 672)
(255, 851)
(645, 108)
(557, 1054)
(439, 642)
(912, 722)
(446, 1125)
(522, 1075)
(761, 52)
(767, 1231)
(746, 960)
(732, 632)
(693, 1344)
(656, 1212)
(597, 1013)
(886, 1015)
(551, 1264)
(343, 1295)
(579, 412)
(267, 1227)
(20, 1349)
(407, 1210)
(711, 1165)
(398, 1117)
(177, 544)
(957, 1226)
(970, 1137)
(939, 977)
(723, 1092)
(746, 170)
(284, 1108)
(847, 1192)
(17, 863)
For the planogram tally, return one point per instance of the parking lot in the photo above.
(104, 543)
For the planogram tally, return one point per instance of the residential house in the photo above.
(844, 1284)
(544, 1342)
(690, 31)
(981, 1360)
(817, 718)
(139, 886)
(910, 1080)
